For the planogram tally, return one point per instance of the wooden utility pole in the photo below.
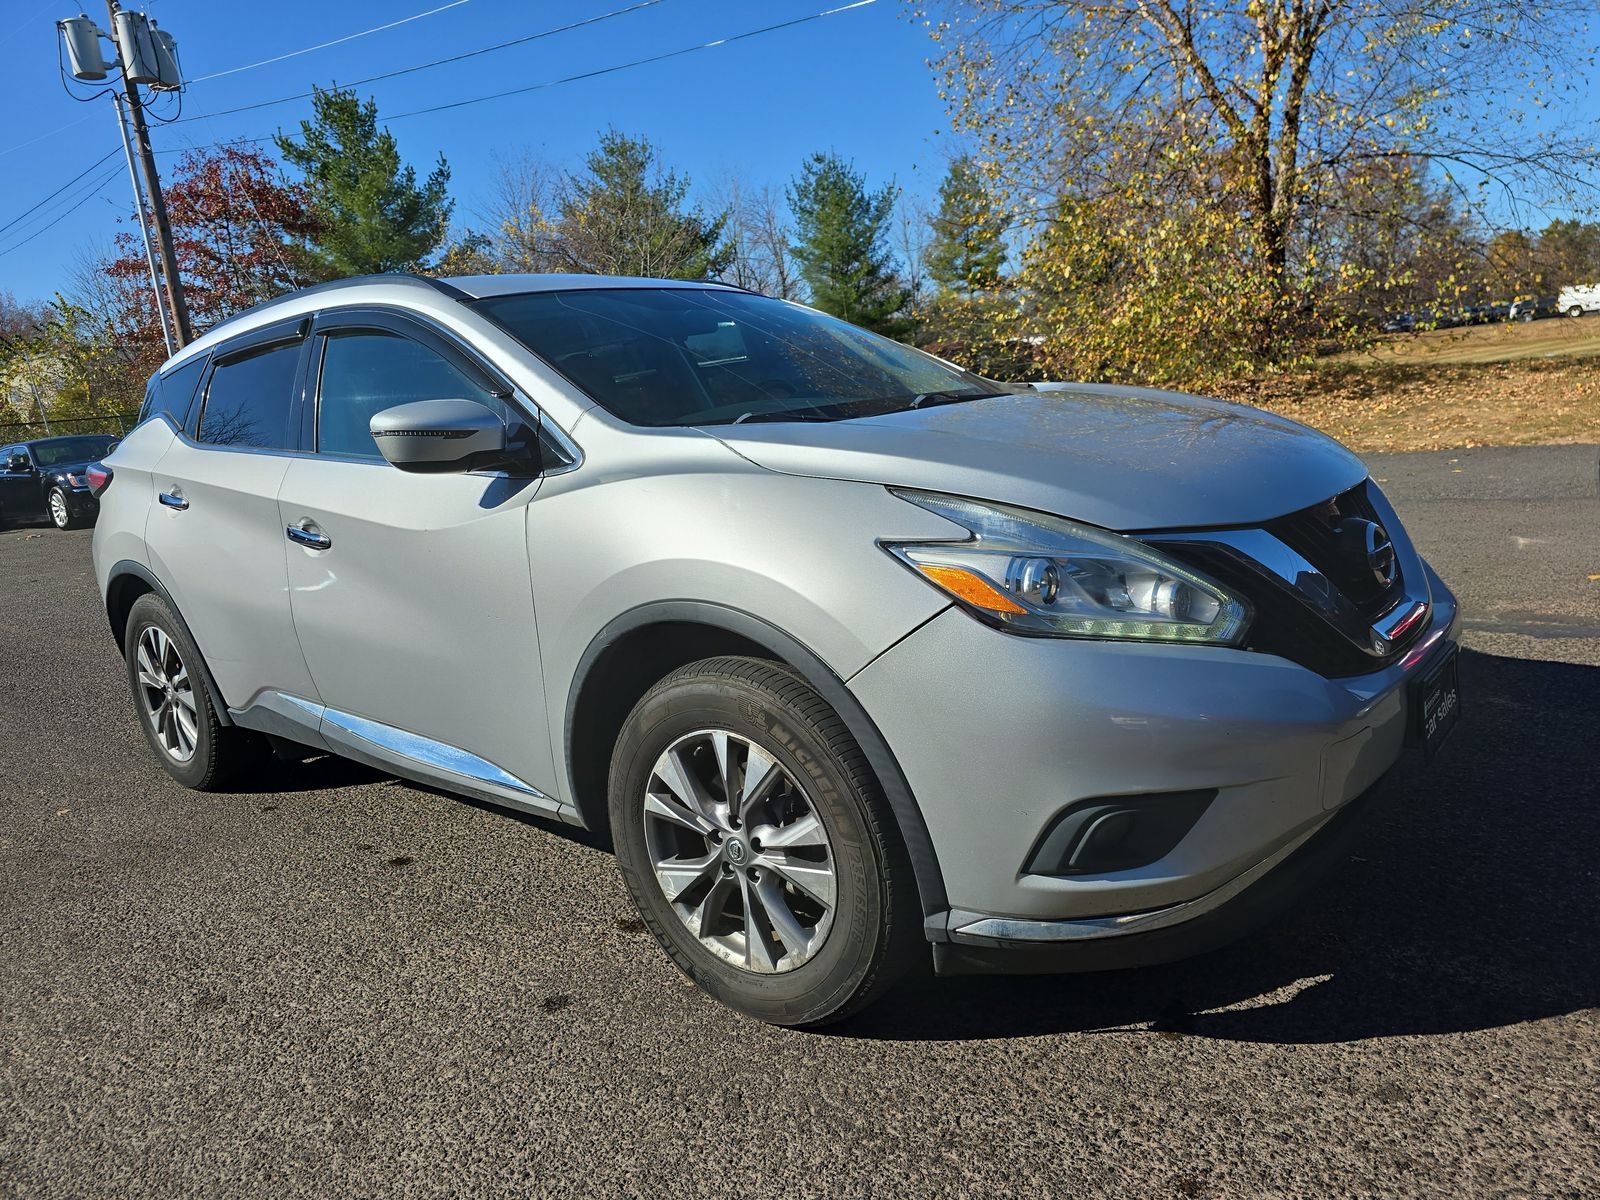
(183, 334)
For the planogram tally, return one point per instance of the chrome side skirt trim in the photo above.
(408, 754)
(990, 930)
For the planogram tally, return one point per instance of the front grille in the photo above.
(1314, 534)
(1281, 624)
(1298, 612)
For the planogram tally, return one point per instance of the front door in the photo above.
(20, 496)
(411, 593)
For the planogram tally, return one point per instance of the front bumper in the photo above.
(998, 734)
(81, 502)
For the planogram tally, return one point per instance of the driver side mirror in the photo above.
(439, 436)
(18, 465)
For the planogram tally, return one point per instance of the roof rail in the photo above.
(334, 285)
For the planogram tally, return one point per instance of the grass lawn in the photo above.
(1494, 385)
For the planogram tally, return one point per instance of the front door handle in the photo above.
(309, 538)
(174, 499)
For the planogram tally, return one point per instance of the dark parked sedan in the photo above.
(48, 478)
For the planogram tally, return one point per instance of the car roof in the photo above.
(62, 437)
(379, 288)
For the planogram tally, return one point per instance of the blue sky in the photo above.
(856, 82)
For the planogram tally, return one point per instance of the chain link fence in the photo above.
(26, 431)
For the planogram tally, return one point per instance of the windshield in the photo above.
(70, 450)
(689, 356)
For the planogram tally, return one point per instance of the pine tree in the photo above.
(966, 253)
(627, 215)
(375, 216)
(842, 245)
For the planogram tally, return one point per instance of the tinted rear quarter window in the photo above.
(172, 393)
(247, 400)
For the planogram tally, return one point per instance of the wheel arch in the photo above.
(125, 583)
(639, 647)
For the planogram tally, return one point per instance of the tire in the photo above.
(829, 962)
(180, 723)
(60, 511)
(1575, 311)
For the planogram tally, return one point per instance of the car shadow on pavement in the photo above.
(310, 771)
(1469, 903)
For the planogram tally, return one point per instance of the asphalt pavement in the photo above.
(338, 984)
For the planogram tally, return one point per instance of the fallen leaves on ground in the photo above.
(1437, 407)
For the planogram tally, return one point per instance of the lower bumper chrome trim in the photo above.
(995, 930)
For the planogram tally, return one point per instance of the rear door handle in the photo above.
(174, 499)
(309, 538)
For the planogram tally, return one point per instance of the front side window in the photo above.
(247, 400)
(365, 372)
(699, 356)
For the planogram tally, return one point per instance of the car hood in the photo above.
(1121, 458)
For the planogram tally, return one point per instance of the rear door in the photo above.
(214, 535)
(415, 608)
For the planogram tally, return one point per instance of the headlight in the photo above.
(1045, 575)
(77, 481)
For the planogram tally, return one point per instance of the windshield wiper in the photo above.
(779, 414)
(948, 397)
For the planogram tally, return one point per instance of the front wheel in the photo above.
(1575, 311)
(61, 514)
(757, 845)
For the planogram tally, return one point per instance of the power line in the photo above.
(324, 45)
(534, 87)
(57, 192)
(92, 193)
(41, 137)
(638, 62)
(438, 62)
(26, 22)
(599, 71)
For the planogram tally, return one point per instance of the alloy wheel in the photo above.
(168, 694)
(58, 509)
(739, 852)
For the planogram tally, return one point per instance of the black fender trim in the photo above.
(128, 567)
(919, 845)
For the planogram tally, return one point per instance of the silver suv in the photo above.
(859, 659)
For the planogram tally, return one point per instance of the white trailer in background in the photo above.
(1575, 301)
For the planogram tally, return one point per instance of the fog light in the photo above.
(1116, 833)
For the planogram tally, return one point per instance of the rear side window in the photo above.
(173, 392)
(365, 372)
(247, 400)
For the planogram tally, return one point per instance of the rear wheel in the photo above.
(175, 708)
(757, 846)
(1575, 311)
